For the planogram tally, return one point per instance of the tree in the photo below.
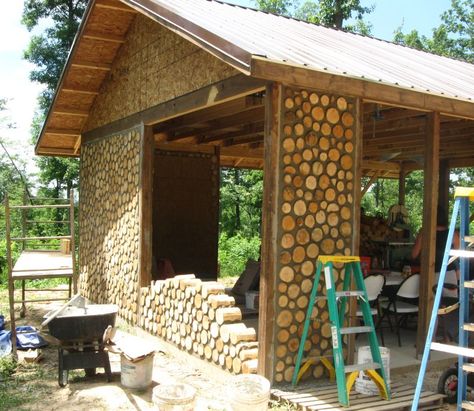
(333, 13)
(454, 37)
(48, 51)
(330, 13)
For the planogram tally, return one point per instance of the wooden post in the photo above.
(430, 203)
(443, 188)
(73, 241)
(401, 186)
(146, 205)
(266, 320)
(11, 289)
(358, 144)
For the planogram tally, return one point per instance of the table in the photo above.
(394, 278)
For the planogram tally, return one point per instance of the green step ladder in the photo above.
(462, 196)
(337, 301)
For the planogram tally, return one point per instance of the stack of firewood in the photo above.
(200, 318)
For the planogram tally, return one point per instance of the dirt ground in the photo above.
(35, 387)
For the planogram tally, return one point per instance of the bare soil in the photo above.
(35, 387)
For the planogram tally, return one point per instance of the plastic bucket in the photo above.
(136, 375)
(363, 384)
(174, 397)
(248, 392)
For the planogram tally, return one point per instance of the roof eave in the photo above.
(380, 92)
(66, 67)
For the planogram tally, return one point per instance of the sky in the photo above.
(14, 71)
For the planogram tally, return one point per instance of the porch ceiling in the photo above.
(394, 137)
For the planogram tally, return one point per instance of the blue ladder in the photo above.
(462, 196)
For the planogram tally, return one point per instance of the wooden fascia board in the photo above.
(352, 86)
(62, 77)
(214, 44)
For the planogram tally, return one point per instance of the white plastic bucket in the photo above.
(174, 397)
(136, 375)
(249, 392)
(363, 384)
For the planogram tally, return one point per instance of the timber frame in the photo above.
(258, 114)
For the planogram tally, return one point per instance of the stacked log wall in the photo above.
(154, 65)
(315, 215)
(198, 317)
(109, 221)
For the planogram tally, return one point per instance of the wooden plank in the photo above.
(369, 91)
(220, 92)
(270, 207)
(146, 206)
(428, 251)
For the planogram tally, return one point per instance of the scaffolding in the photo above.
(41, 257)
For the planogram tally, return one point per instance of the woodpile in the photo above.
(374, 233)
(109, 222)
(316, 209)
(200, 318)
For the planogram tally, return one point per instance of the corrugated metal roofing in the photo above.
(286, 40)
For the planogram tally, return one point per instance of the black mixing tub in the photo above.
(80, 331)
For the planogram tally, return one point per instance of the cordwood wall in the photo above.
(315, 214)
(154, 65)
(109, 221)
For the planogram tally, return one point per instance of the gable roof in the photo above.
(245, 33)
(261, 45)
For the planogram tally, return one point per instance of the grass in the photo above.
(21, 383)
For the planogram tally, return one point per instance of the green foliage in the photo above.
(234, 252)
(330, 13)
(333, 13)
(48, 51)
(454, 37)
(281, 7)
(7, 367)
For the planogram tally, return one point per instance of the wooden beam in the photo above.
(95, 35)
(428, 250)
(270, 211)
(92, 65)
(221, 124)
(231, 107)
(217, 93)
(114, 5)
(246, 131)
(381, 165)
(77, 146)
(368, 90)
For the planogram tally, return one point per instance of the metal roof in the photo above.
(240, 33)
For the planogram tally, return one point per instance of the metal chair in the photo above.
(409, 290)
(374, 284)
